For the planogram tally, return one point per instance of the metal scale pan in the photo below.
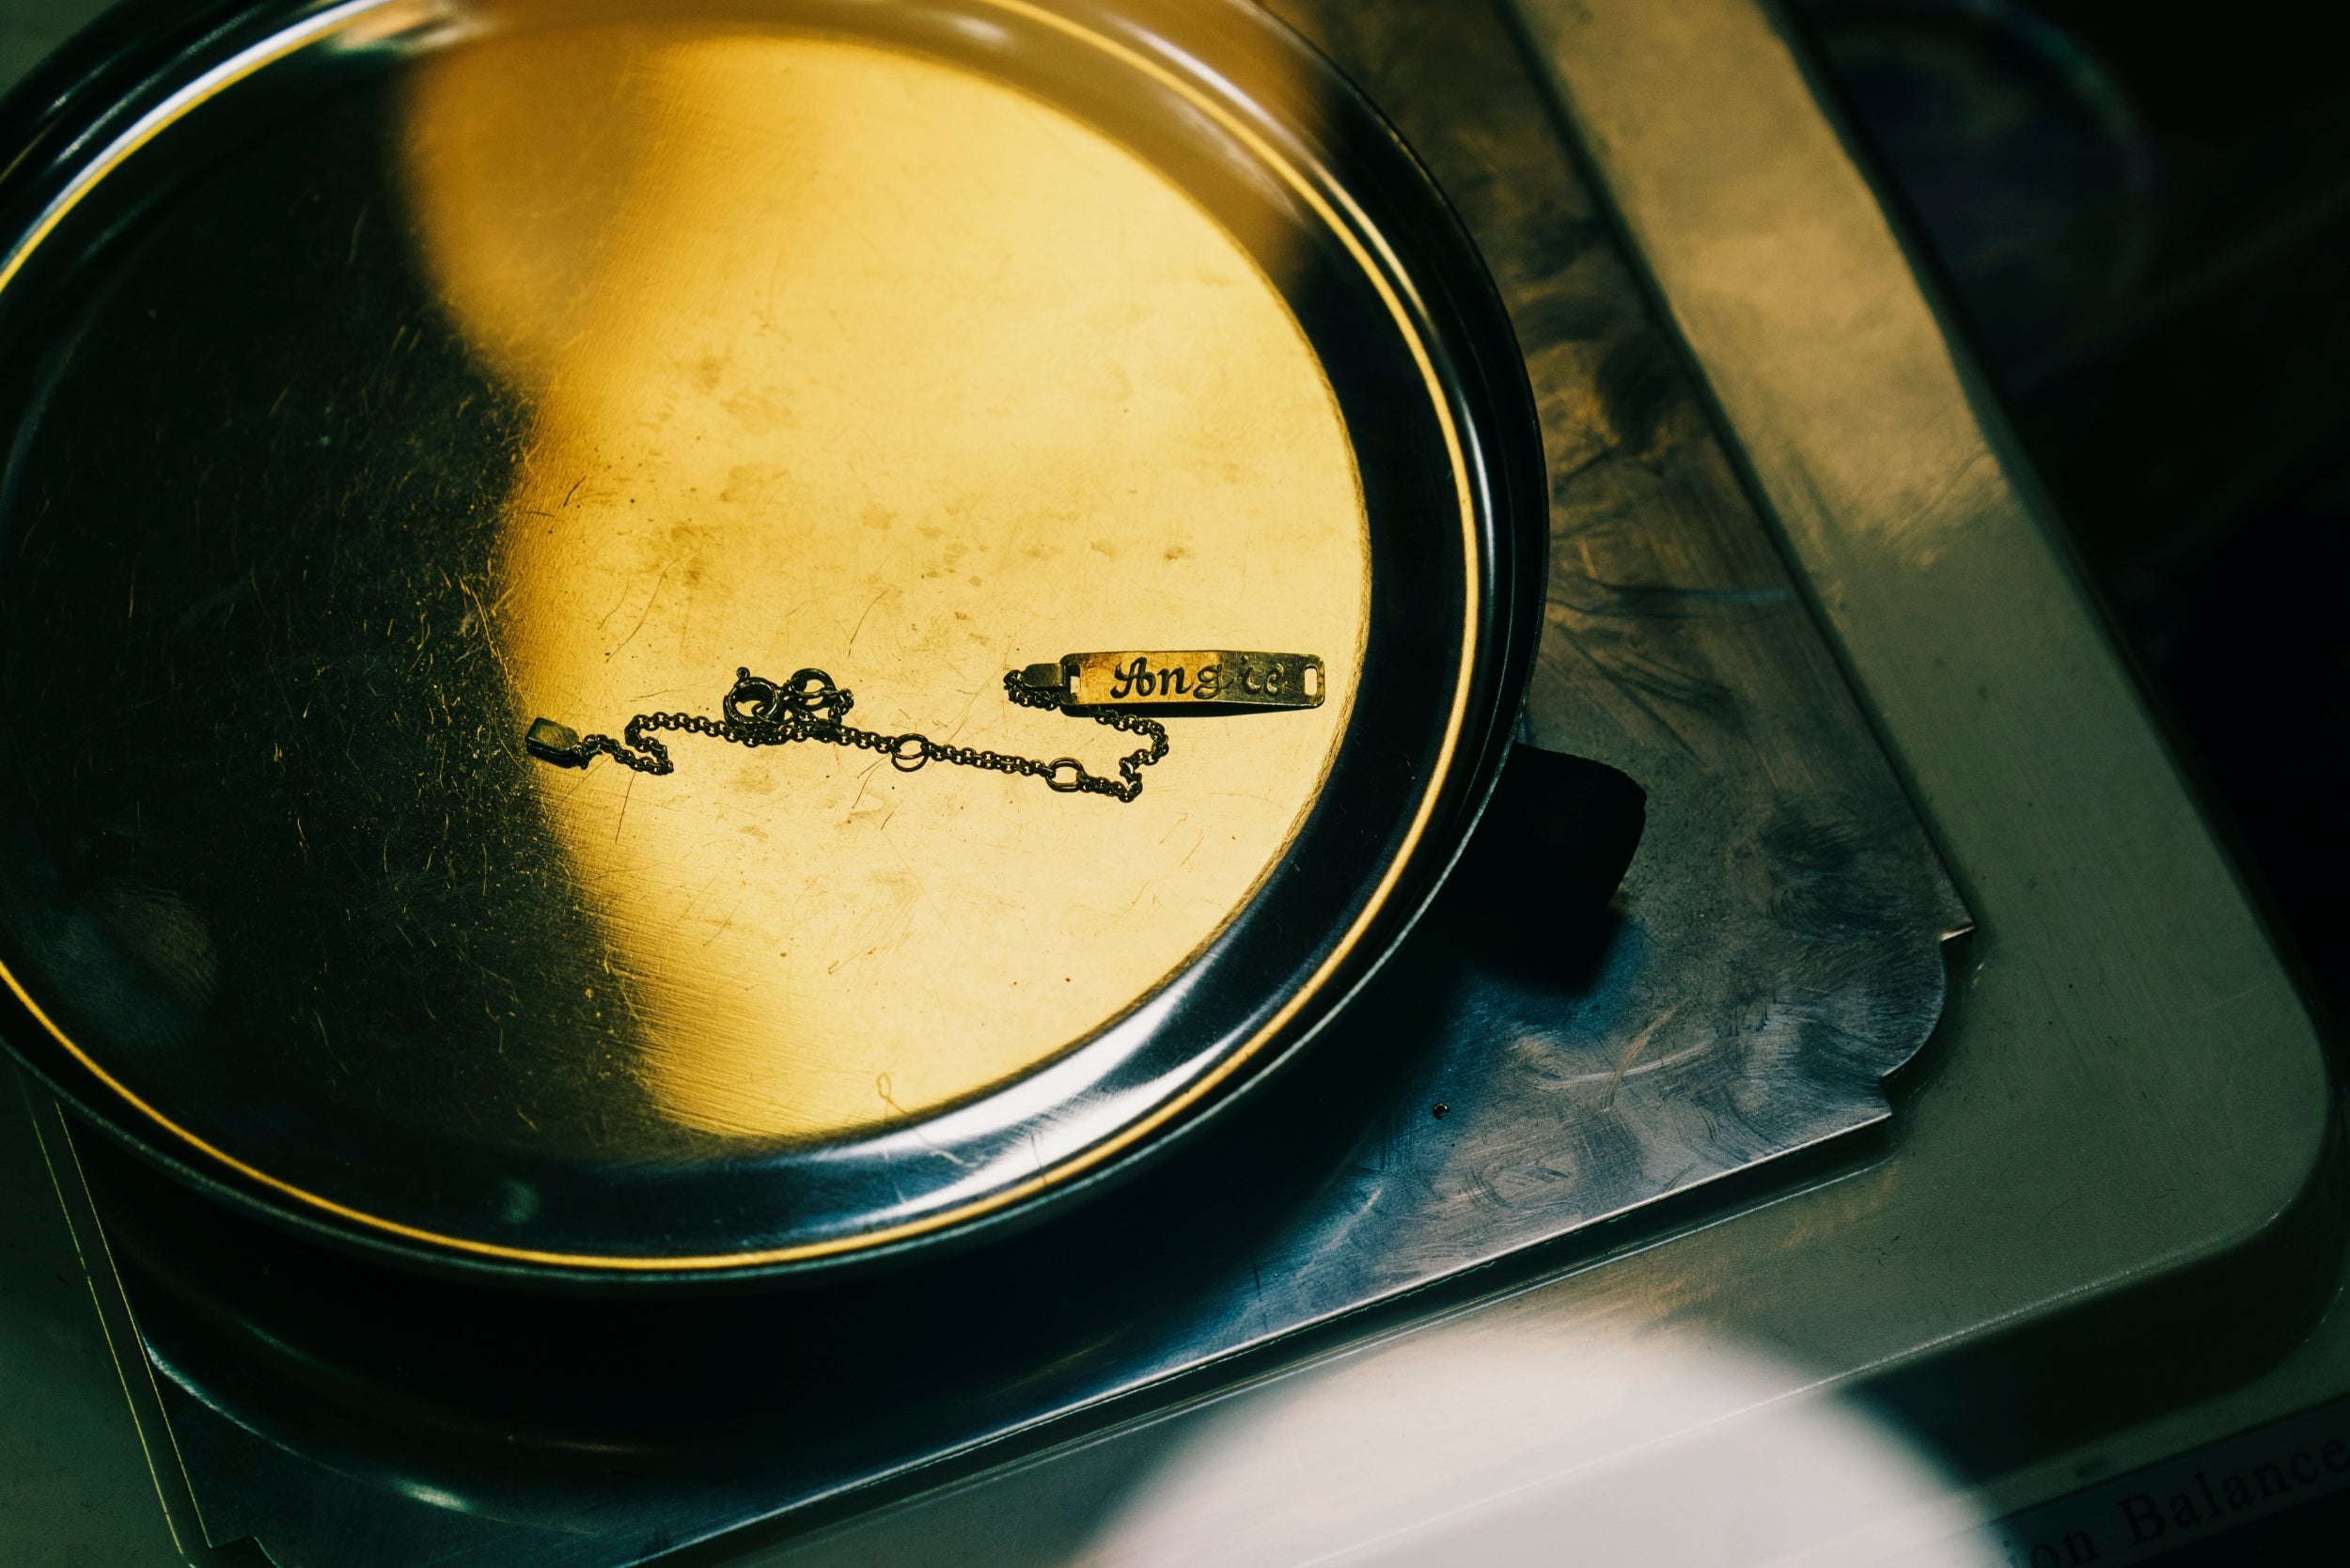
(381, 377)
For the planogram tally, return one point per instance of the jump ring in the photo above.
(906, 760)
(1076, 774)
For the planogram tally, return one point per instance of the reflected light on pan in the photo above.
(1649, 1451)
(1502, 1444)
(840, 357)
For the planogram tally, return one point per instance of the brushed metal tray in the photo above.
(1774, 953)
(769, 1021)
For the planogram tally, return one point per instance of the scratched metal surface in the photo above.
(1774, 952)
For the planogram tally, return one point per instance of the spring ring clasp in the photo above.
(753, 700)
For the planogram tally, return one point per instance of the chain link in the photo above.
(808, 706)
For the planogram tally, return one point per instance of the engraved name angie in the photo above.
(1210, 681)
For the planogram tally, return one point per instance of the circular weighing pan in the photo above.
(381, 376)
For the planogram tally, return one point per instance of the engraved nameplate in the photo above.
(1221, 679)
